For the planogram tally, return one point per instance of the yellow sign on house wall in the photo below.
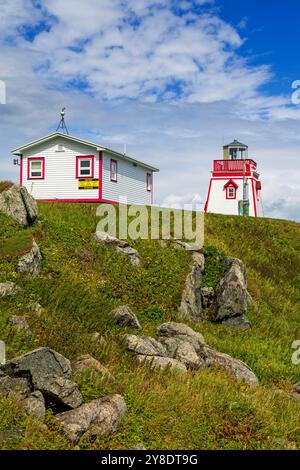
(88, 183)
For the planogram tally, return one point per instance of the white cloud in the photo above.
(141, 50)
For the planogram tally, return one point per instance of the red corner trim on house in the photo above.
(208, 195)
(21, 169)
(30, 159)
(85, 157)
(100, 173)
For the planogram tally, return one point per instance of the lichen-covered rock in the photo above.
(240, 322)
(48, 372)
(19, 205)
(34, 405)
(145, 345)
(121, 246)
(94, 419)
(124, 316)
(60, 390)
(191, 303)
(235, 367)
(207, 295)
(184, 351)
(231, 296)
(183, 344)
(130, 253)
(163, 363)
(183, 332)
(88, 362)
(38, 363)
(20, 323)
(8, 289)
(14, 387)
(31, 262)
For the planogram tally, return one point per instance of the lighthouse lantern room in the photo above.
(235, 188)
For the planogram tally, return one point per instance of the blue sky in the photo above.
(272, 31)
(172, 79)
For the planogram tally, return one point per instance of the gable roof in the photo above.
(20, 150)
(230, 183)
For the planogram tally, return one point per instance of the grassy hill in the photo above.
(82, 282)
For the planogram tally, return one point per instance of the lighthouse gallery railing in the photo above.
(234, 165)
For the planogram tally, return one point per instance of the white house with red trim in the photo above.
(61, 167)
(235, 187)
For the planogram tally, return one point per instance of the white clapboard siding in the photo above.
(60, 180)
(60, 171)
(131, 182)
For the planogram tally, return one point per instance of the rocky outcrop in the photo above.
(180, 343)
(8, 289)
(94, 419)
(88, 362)
(124, 316)
(42, 378)
(235, 367)
(31, 262)
(48, 372)
(19, 205)
(121, 246)
(231, 296)
(20, 323)
(191, 303)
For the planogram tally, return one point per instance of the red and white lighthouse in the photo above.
(235, 188)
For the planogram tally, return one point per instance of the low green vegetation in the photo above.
(82, 282)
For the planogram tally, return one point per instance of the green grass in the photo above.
(82, 282)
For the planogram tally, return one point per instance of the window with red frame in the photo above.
(113, 170)
(85, 167)
(231, 192)
(36, 168)
(149, 182)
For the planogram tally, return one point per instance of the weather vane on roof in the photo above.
(62, 123)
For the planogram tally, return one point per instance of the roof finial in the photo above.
(62, 124)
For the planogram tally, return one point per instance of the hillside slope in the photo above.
(82, 282)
